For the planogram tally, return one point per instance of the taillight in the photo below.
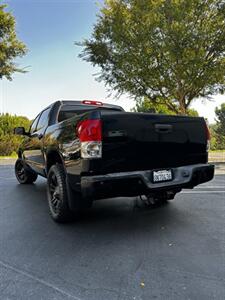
(92, 102)
(89, 133)
(207, 131)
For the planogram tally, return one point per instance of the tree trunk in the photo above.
(182, 106)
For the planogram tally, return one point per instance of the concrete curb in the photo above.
(7, 161)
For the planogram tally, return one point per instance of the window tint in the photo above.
(69, 111)
(34, 125)
(43, 121)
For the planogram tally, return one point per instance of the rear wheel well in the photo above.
(52, 159)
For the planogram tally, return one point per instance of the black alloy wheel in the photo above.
(23, 174)
(57, 195)
(54, 193)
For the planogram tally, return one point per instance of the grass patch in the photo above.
(217, 151)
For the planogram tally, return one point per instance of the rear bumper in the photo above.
(140, 182)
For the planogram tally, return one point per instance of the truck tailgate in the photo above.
(142, 141)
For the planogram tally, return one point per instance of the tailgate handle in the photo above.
(163, 128)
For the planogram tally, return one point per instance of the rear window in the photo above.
(69, 111)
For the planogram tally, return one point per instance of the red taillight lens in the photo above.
(90, 131)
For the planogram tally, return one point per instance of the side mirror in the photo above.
(20, 131)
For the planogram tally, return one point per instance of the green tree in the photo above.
(213, 137)
(144, 105)
(220, 118)
(10, 46)
(169, 51)
(219, 128)
(9, 142)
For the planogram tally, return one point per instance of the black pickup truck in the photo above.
(89, 150)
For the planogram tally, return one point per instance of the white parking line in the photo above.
(41, 281)
(211, 187)
(202, 192)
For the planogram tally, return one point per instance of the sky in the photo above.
(49, 28)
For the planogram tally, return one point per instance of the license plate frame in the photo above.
(159, 176)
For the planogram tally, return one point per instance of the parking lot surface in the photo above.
(118, 250)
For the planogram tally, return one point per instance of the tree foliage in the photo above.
(169, 51)
(9, 142)
(218, 130)
(10, 46)
(220, 118)
(145, 105)
(213, 140)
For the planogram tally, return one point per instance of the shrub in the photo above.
(9, 142)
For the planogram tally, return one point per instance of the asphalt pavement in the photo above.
(119, 250)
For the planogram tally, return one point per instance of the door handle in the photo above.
(163, 128)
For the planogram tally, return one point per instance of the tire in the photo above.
(57, 195)
(23, 174)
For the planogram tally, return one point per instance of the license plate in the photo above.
(162, 175)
